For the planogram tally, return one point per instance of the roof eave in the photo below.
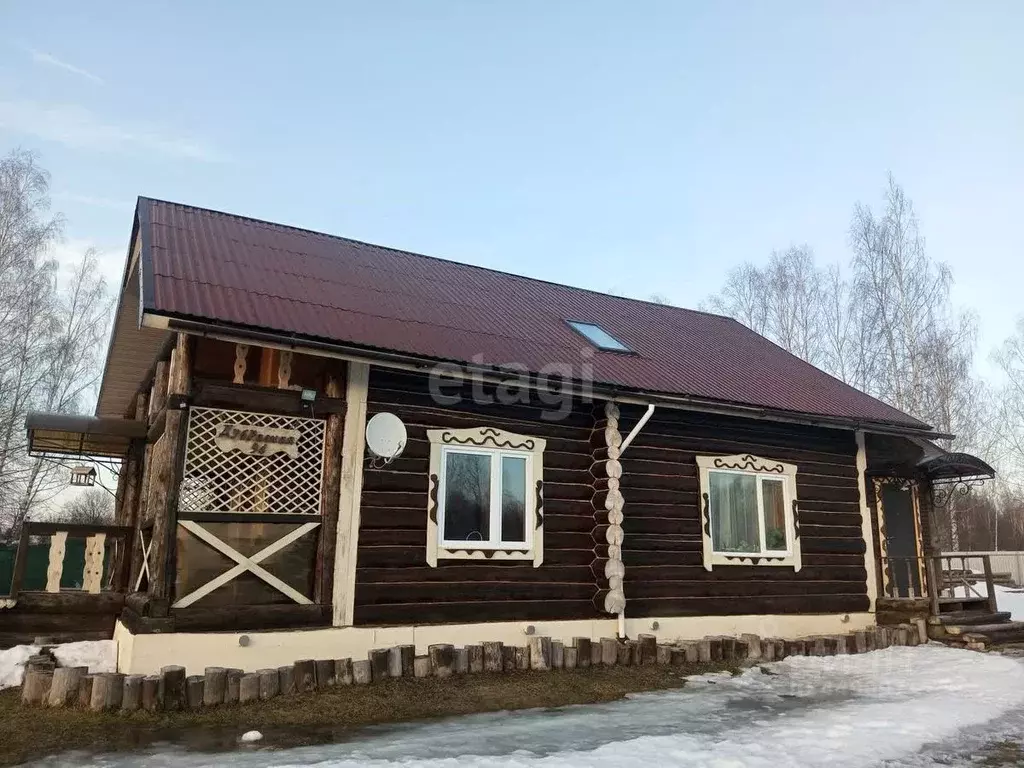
(230, 332)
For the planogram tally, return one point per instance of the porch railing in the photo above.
(106, 563)
(937, 577)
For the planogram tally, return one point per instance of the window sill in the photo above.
(483, 553)
(723, 558)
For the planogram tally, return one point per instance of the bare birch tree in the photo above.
(52, 325)
(1010, 419)
(887, 329)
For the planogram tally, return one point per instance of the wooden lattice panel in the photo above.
(229, 474)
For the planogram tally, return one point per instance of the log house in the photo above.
(576, 464)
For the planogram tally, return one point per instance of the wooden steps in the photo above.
(1000, 628)
(964, 618)
(968, 621)
(953, 604)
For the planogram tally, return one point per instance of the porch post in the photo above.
(865, 520)
(352, 452)
(166, 469)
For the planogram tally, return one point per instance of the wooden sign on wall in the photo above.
(257, 441)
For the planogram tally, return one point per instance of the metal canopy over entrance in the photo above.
(55, 434)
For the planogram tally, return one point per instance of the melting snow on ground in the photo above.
(860, 710)
(97, 655)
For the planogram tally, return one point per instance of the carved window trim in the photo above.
(496, 442)
(748, 464)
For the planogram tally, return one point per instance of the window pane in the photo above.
(513, 498)
(467, 497)
(734, 512)
(774, 514)
(599, 337)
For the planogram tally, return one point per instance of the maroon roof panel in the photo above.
(213, 266)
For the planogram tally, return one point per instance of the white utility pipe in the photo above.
(636, 430)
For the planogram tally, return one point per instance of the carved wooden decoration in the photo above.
(241, 356)
(747, 463)
(55, 569)
(487, 439)
(257, 441)
(614, 570)
(284, 369)
(92, 575)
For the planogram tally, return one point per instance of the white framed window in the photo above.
(749, 511)
(485, 497)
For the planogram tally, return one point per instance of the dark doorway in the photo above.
(901, 541)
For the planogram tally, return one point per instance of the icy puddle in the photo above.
(902, 706)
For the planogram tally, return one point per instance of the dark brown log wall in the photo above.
(394, 584)
(662, 549)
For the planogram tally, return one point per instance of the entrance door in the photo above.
(898, 513)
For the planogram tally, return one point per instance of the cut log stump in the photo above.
(35, 689)
(326, 673)
(249, 688)
(194, 686)
(64, 687)
(343, 671)
(305, 675)
(150, 693)
(493, 657)
(172, 688)
(131, 697)
(442, 659)
(215, 687)
(270, 683)
(421, 666)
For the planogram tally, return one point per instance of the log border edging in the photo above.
(174, 690)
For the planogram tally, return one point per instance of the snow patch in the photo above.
(97, 655)
(862, 710)
(12, 664)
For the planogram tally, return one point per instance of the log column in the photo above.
(614, 570)
(350, 498)
(129, 493)
(334, 434)
(165, 471)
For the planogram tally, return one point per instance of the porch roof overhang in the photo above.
(61, 434)
(949, 467)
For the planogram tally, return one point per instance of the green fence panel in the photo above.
(39, 561)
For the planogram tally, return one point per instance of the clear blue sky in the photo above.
(633, 147)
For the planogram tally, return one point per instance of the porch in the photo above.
(950, 596)
(955, 601)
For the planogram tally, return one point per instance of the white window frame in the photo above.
(495, 444)
(495, 458)
(759, 468)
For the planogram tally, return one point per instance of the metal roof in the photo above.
(72, 435)
(243, 273)
(954, 466)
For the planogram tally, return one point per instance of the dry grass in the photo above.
(27, 733)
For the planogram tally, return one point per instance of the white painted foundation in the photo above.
(146, 654)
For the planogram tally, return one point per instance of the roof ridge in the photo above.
(330, 236)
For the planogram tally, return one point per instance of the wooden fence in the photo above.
(939, 576)
(1003, 562)
(85, 611)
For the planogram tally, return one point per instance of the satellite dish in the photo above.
(386, 436)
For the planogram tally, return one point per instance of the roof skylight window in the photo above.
(598, 336)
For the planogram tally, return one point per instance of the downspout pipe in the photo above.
(622, 449)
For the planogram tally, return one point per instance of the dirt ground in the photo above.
(28, 732)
